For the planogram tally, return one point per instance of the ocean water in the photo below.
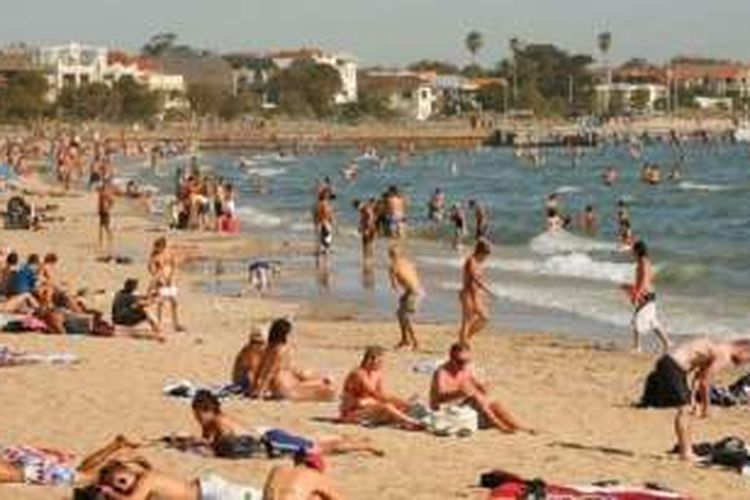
(697, 227)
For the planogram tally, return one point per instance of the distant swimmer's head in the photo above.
(279, 332)
(372, 358)
(740, 352)
(621, 203)
(640, 250)
(460, 354)
(472, 203)
(589, 208)
(482, 249)
(206, 407)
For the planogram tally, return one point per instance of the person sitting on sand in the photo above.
(404, 277)
(455, 383)
(669, 383)
(138, 480)
(25, 279)
(217, 427)
(365, 400)
(474, 310)
(278, 378)
(303, 481)
(130, 310)
(248, 361)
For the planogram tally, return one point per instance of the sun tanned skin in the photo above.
(299, 483)
(404, 277)
(475, 314)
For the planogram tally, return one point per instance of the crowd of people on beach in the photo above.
(458, 402)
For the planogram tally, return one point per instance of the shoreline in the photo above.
(575, 392)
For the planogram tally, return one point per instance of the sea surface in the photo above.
(697, 228)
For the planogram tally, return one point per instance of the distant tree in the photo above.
(473, 71)
(474, 42)
(370, 104)
(159, 44)
(493, 97)
(235, 106)
(137, 103)
(439, 67)
(23, 97)
(205, 100)
(307, 88)
(125, 100)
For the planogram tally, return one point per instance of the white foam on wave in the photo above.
(266, 171)
(255, 217)
(274, 158)
(559, 241)
(568, 190)
(696, 186)
(573, 265)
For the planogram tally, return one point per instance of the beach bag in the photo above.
(454, 420)
(279, 443)
(236, 447)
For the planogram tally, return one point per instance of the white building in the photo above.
(73, 64)
(653, 91)
(346, 66)
(407, 93)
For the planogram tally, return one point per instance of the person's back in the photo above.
(123, 305)
(248, 361)
(22, 280)
(298, 483)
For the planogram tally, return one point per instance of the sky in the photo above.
(392, 32)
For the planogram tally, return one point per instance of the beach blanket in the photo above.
(186, 389)
(16, 358)
(507, 486)
(41, 466)
(737, 393)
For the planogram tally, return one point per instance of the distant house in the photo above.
(653, 92)
(346, 66)
(72, 64)
(407, 93)
(213, 71)
(149, 73)
(14, 61)
(714, 77)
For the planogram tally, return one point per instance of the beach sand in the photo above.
(577, 394)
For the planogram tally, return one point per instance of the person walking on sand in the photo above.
(455, 383)
(105, 204)
(668, 385)
(474, 310)
(643, 298)
(405, 278)
(364, 399)
(162, 266)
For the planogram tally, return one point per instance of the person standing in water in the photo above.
(473, 307)
(395, 213)
(367, 225)
(458, 218)
(643, 298)
(324, 219)
(436, 206)
(481, 220)
(404, 277)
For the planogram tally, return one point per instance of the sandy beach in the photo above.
(576, 393)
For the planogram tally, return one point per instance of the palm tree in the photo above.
(604, 42)
(515, 46)
(474, 43)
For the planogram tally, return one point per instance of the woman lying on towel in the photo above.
(278, 378)
(365, 401)
(45, 467)
(225, 435)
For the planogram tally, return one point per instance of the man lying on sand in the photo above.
(365, 400)
(217, 428)
(138, 480)
(303, 481)
(277, 376)
(670, 383)
(455, 383)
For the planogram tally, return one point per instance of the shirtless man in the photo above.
(589, 220)
(454, 382)
(643, 298)
(481, 220)
(474, 310)
(367, 225)
(436, 206)
(105, 203)
(458, 218)
(701, 360)
(365, 400)
(395, 213)
(217, 427)
(138, 480)
(162, 266)
(278, 378)
(301, 482)
(404, 277)
(248, 360)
